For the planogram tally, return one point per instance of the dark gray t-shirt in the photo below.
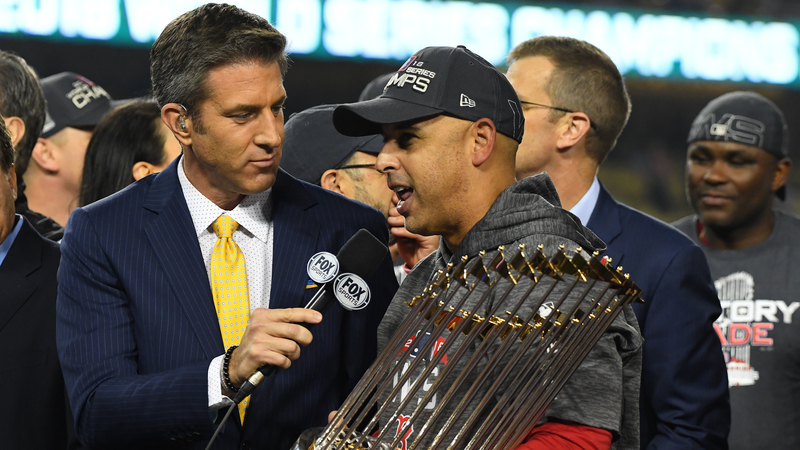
(759, 289)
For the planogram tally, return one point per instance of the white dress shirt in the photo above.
(585, 207)
(254, 236)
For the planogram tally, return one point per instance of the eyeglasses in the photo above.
(591, 123)
(358, 166)
(362, 166)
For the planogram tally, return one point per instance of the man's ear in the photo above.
(16, 127)
(331, 180)
(178, 121)
(573, 127)
(44, 155)
(484, 135)
(782, 170)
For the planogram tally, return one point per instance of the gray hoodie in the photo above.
(604, 390)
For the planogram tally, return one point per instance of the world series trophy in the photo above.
(483, 352)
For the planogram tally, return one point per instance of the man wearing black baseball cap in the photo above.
(313, 151)
(374, 88)
(451, 125)
(737, 162)
(53, 173)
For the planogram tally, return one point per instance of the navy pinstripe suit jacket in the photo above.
(137, 329)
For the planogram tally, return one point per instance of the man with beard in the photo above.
(451, 124)
(316, 153)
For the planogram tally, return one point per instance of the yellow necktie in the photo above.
(229, 285)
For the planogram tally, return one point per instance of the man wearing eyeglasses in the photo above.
(316, 153)
(575, 106)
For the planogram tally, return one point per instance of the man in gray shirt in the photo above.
(451, 125)
(737, 162)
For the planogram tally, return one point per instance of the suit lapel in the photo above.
(172, 235)
(23, 258)
(295, 239)
(606, 223)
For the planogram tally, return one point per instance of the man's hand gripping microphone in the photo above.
(343, 276)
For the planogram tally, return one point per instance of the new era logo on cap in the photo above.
(466, 101)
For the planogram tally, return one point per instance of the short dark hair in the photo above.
(125, 136)
(210, 36)
(21, 96)
(6, 149)
(583, 79)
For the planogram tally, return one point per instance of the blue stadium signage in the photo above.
(641, 43)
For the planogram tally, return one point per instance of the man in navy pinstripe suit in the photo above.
(138, 334)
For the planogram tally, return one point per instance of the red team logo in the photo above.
(407, 63)
(402, 421)
(745, 325)
(404, 428)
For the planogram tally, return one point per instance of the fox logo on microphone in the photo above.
(322, 267)
(351, 291)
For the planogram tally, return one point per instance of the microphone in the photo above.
(359, 258)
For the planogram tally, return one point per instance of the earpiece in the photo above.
(181, 119)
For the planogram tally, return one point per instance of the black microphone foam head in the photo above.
(362, 254)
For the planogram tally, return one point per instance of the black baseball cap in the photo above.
(312, 145)
(375, 87)
(73, 101)
(438, 80)
(747, 118)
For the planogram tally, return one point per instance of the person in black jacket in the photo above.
(35, 413)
